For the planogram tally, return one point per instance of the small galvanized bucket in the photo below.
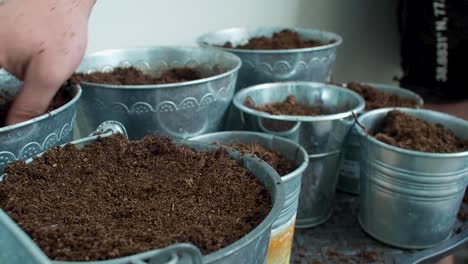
(179, 110)
(17, 247)
(264, 66)
(321, 136)
(26, 139)
(348, 180)
(283, 228)
(410, 199)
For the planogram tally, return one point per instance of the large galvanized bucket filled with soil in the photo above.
(318, 117)
(276, 54)
(414, 172)
(174, 91)
(26, 139)
(376, 96)
(130, 202)
(290, 161)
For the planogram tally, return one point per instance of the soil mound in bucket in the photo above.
(62, 97)
(285, 39)
(281, 164)
(408, 132)
(376, 98)
(134, 76)
(289, 107)
(115, 198)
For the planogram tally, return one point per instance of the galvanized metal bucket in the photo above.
(17, 247)
(26, 139)
(180, 110)
(283, 228)
(264, 66)
(410, 199)
(321, 136)
(348, 180)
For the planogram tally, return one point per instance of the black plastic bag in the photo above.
(434, 48)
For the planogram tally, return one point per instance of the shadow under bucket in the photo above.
(321, 136)
(410, 199)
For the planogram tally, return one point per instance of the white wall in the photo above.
(369, 51)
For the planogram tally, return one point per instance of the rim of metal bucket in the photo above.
(170, 85)
(312, 85)
(299, 148)
(54, 112)
(338, 40)
(410, 111)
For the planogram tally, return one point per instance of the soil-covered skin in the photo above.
(114, 198)
(289, 107)
(408, 132)
(376, 99)
(285, 39)
(134, 76)
(62, 97)
(281, 164)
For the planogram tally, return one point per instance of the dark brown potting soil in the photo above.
(376, 99)
(408, 132)
(113, 198)
(289, 107)
(281, 164)
(285, 39)
(62, 97)
(134, 76)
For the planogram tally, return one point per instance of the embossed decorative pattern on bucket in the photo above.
(264, 66)
(348, 180)
(321, 136)
(179, 110)
(281, 240)
(410, 199)
(250, 249)
(26, 139)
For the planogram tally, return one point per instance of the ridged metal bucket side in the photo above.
(321, 136)
(26, 139)
(410, 199)
(348, 180)
(179, 110)
(250, 249)
(264, 66)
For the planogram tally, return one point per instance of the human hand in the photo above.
(459, 109)
(42, 43)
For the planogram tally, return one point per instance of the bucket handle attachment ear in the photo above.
(105, 129)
